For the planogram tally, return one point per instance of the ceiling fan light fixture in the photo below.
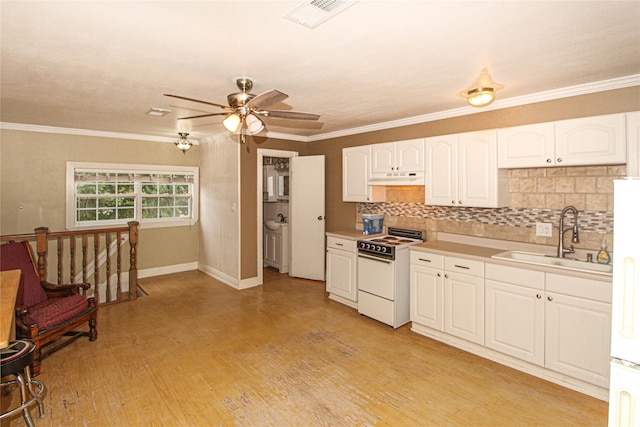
(183, 143)
(232, 122)
(254, 124)
(480, 96)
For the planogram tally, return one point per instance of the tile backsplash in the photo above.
(535, 195)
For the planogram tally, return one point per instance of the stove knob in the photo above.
(378, 248)
(368, 245)
(384, 249)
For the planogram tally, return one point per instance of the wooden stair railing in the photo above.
(100, 248)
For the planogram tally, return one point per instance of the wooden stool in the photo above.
(16, 361)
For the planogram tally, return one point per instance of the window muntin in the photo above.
(153, 195)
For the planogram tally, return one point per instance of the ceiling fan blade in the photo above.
(226, 107)
(265, 99)
(290, 115)
(203, 115)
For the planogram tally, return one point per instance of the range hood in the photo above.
(397, 178)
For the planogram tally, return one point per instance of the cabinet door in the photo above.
(514, 321)
(578, 338)
(526, 146)
(410, 155)
(633, 144)
(464, 306)
(383, 157)
(596, 140)
(272, 249)
(480, 183)
(441, 175)
(355, 174)
(341, 274)
(427, 287)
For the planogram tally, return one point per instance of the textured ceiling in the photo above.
(102, 65)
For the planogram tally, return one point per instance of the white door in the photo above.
(307, 226)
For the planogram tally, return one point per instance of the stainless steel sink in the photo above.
(553, 261)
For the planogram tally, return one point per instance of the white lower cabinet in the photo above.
(514, 308)
(276, 248)
(341, 274)
(427, 289)
(560, 323)
(578, 336)
(464, 299)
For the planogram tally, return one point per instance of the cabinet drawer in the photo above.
(578, 287)
(342, 244)
(514, 275)
(427, 259)
(464, 266)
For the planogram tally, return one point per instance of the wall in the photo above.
(249, 197)
(342, 215)
(219, 208)
(535, 195)
(32, 186)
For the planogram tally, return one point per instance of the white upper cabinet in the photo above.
(461, 170)
(633, 144)
(400, 156)
(591, 140)
(596, 140)
(526, 146)
(355, 176)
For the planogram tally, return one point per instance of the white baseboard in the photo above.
(168, 269)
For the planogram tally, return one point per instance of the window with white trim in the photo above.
(101, 194)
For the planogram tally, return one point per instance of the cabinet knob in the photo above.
(559, 160)
(446, 276)
(439, 275)
(320, 218)
(548, 160)
(550, 298)
(538, 296)
(453, 202)
(459, 202)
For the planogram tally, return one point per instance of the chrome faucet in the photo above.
(562, 251)
(282, 217)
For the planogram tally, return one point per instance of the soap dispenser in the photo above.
(603, 256)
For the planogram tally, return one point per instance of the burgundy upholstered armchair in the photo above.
(47, 314)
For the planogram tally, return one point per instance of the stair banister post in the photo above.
(133, 269)
(41, 250)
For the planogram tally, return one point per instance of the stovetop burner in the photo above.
(386, 246)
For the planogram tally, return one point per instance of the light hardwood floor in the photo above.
(195, 352)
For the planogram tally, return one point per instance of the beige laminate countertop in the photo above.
(484, 254)
(350, 234)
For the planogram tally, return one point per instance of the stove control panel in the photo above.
(376, 249)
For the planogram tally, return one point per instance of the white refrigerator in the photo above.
(624, 390)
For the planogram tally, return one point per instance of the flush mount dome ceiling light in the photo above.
(482, 92)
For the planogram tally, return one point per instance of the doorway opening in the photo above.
(273, 210)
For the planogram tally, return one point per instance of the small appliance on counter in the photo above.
(372, 223)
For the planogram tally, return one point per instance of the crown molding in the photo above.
(584, 89)
(601, 86)
(88, 132)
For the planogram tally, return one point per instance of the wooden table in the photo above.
(9, 282)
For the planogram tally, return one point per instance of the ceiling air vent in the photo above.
(315, 12)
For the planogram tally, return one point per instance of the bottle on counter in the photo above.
(603, 256)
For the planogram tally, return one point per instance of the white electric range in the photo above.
(383, 276)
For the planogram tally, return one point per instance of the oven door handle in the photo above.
(386, 261)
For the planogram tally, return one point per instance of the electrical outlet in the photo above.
(544, 229)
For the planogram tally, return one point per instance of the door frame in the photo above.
(264, 152)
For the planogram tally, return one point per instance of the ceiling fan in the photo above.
(244, 108)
